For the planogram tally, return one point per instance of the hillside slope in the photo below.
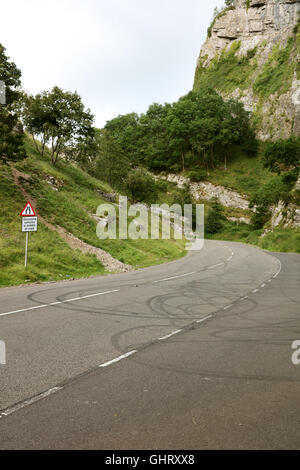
(66, 243)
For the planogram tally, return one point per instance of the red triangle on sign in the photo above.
(28, 211)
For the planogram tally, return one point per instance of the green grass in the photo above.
(280, 240)
(227, 71)
(50, 258)
(245, 174)
(277, 73)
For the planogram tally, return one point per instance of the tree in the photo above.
(200, 128)
(283, 155)
(179, 123)
(206, 125)
(125, 131)
(214, 220)
(154, 138)
(112, 165)
(11, 130)
(60, 120)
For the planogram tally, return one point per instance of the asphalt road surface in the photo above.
(193, 354)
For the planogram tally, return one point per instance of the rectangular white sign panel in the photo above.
(29, 224)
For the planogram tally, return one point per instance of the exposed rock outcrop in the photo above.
(287, 216)
(260, 26)
(206, 191)
(297, 185)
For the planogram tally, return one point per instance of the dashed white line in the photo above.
(228, 306)
(30, 401)
(118, 359)
(174, 277)
(216, 266)
(204, 319)
(57, 303)
(170, 335)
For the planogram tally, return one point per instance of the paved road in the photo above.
(202, 349)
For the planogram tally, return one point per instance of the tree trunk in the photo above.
(57, 152)
(43, 147)
(36, 145)
(52, 153)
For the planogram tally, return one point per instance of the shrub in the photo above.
(141, 186)
(197, 175)
(282, 155)
(270, 194)
(214, 220)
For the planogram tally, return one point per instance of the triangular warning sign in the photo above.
(28, 211)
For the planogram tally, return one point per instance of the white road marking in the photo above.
(118, 359)
(278, 272)
(57, 303)
(204, 319)
(228, 306)
(216, 266)
(170, 335)
(174, 277)
(29, 402)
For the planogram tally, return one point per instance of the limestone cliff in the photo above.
(252, 53)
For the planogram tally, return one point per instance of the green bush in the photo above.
(214, 219)
(141, 186)
(182, 196)
(197, 175)
(282, 155)
(270, 194)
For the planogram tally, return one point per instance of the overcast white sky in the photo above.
(120, 55)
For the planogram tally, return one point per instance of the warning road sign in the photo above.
(28, 211)
(29, 224)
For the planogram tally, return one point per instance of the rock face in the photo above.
(227, 197)
(287, 216)
(206, 191)
(260, 26)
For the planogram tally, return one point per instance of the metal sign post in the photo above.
(29, 224)
(26, 249)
